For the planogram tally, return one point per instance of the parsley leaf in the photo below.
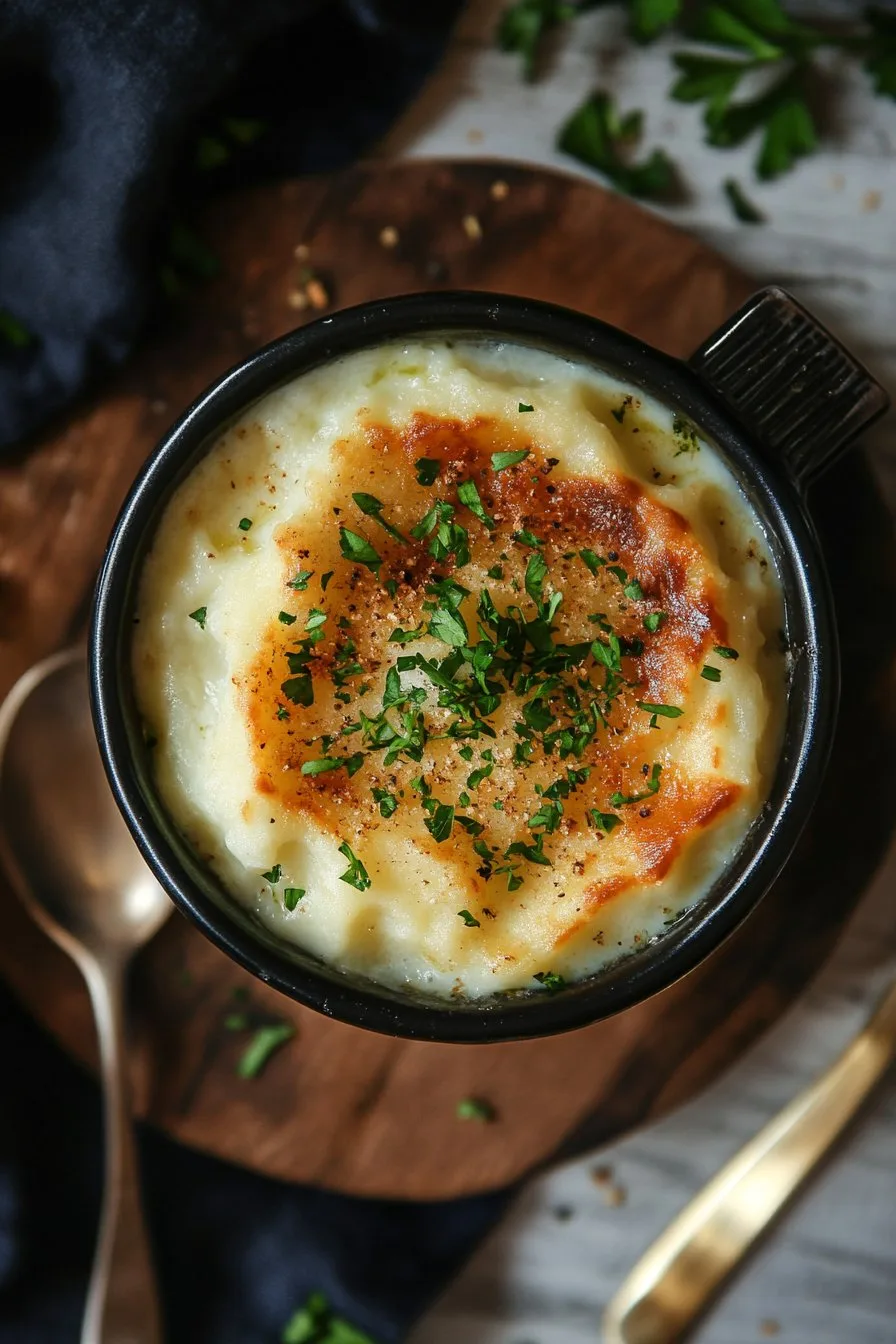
(742, 206)
(711, 673)
(322, 765)
(300, 582)
(596, 135)
(664, 711)
(356, 874)
(199, 616)
(604, 821)
(525, 22)
(470, 921)
(653, 783)
(523, 408)
(273, 875)
(266, 1041)
(469, 495)
(550, 980)
(441, 822)
(474, 1108)
(501, 461)
(649, 18)
(245, 524)
(427, 469)
(315, 1323)
(358, 549)
(653, 620)
(292, 896)
(387, 801)
(286, 618)
(373, 508)
(725, 652)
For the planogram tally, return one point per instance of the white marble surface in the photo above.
(827, 1273)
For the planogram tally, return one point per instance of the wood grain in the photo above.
(338, 1106)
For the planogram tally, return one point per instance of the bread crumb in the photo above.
(615, 1196)
(602, 1175)
(389, 236)
(317, 295)
(475, 136)
(297, 298)
(301, 252)
(472, 227)
(871, 201)
(499, 190)
(769, 1327)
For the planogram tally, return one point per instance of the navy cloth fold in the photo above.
(237, 1253)
(103, 105)
(104, 108)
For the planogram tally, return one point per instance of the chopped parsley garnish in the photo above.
(470, 920)
(245, 524)
(685, 436)
(634, 591)
(325, 579)
(550, 980)
(273, 875)
(292, 896)
(474, 1108)
(428, 469)
(300, 582)
(441, 822)
(299, 690)
(593, 561)
(358, 550)
(469, 496)
(387, 801)
(501, 461)
(199, 616)
(316, 1323)
(286, 618)
(266, 1042)
(652, 786)
(711, 673)
(496, 572)
(356, 874)
(664, 711)
(724, 652)
(653, 620)
(373, 508)
(604, 821)
(527, 538)
(322, 765)
(282, 712)
(523, 408)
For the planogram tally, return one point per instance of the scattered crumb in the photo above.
(317, 294)
(297, 298)
(475, 136)
(301, 253)
(159, 406)
(499, 190)
(615, 1196)
(602, 1175)
(472, 227)
(769, 1327)
(838, 182)
(871, 201)
(389, 236)
(563, 1213)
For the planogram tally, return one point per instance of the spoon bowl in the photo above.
(62, 836)
(79, 873)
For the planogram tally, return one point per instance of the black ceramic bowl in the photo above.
(775, 395)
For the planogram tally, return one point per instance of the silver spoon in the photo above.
(75, 866)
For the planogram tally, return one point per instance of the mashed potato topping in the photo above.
(462, 663)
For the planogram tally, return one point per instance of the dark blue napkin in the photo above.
(116, 118)
(237, 1253)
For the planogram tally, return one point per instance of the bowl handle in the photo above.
(789, 382)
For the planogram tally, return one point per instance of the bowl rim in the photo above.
(803, 756)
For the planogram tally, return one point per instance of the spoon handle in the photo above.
(672, 1284)
(122, 1301)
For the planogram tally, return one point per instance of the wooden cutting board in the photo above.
(338, 1106)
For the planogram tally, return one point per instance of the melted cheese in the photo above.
(606, 472)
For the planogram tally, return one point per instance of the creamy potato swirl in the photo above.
(462, 663)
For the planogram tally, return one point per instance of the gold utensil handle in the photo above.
(674, 1281)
